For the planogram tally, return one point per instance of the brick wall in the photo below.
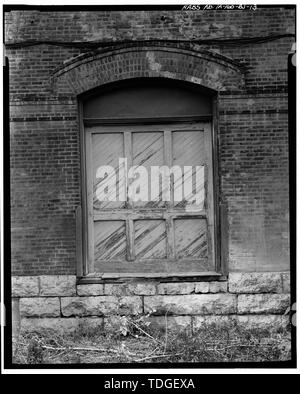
(45, 160)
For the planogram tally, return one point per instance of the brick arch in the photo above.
(88, 71)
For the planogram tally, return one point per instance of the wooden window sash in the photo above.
(130, 213)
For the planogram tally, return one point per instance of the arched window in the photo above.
(149, 205)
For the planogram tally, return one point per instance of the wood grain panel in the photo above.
(148, 150)
(110, 240)
(106, 151)
(150, 239)
(141, 237)
(188, 149)
(191, 238)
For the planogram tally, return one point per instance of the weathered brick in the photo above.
(252, 134)
(58, 285)
(194, 304)
(25, 286)
(255, 282)
(252, 137)
(40, 307)
(100, 306)
(263, 303)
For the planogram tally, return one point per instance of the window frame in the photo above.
(220, 209)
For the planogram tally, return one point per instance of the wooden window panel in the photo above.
(110, 240)
(189, 150)
(150, 238)
(148, 150)
(191, 238)
(106, 150)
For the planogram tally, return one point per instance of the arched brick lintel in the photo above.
(88, 71)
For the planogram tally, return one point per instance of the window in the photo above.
(149, 187)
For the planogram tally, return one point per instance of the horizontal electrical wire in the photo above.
(101, 44)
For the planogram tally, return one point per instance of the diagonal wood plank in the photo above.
(110, 240)
(191, 238)
(148, 150)
(106, 151)
(189, 150)
(150, 239)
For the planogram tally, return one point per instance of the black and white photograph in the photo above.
(149, 187)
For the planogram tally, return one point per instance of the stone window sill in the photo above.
(161, 277)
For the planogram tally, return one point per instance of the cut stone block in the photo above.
(61, 325)
(218, 287)
(202, 287)
(124, 289)
(58, 285)
(194, 304)
(25, 286)
(201, 322)
(263, 303)
(286, 283)
(40, 307)
(143, 288)
(263, 322)
(255, 282)
(176, 288)
(90, 289)
(101, 306)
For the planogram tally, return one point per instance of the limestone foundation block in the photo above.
(286, 282)
(218, 287)
(58, 285)
(124, 289)
(40, 307)
(202, 322)
(90, 289)
(194, 304)
(255, 282)
(101, 306)
(268, 323)
(25, 286)
(61, 325)
(176, 288)
(263, 322)
(263, 303)
(202, 287)
(171, 323)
